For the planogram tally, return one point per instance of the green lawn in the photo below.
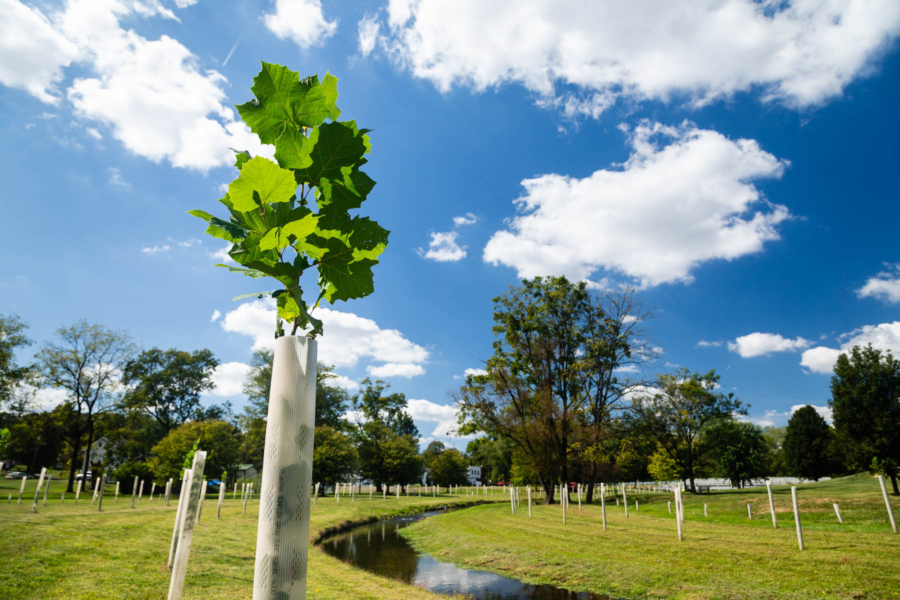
(73, 552)
(723, 556)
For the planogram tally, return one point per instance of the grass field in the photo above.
(73, 552)
(725, 555)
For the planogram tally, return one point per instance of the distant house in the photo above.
(246, 471)
(474, 475)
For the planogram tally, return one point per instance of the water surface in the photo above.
(379, 548)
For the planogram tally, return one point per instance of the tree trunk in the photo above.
(894, 483)
(549, 488)
(592, 477)
(87, 452)
(76, 449)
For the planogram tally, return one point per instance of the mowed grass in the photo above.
(725, 555)
(71, 552)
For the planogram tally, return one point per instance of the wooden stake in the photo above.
(797, 516)
(772, 504)
(837, 511)
(603, 505)
(887, 503)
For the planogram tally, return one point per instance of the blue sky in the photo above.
(735, 160)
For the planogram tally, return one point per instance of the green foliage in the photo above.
(4, 441)
(167, 384)
(175, 451)
(434, 449)
(386, 457)
(495, 457)
(12, 338)
(686, 406)
(807, 443)
(386, 410)
(662, 467)
(865, 398)
(271, 203)
(334, 457)
(740, 452)
(774, 437)
(126, 473)
(188, 462)
(449, 468)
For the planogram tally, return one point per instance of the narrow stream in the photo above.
(379, 548)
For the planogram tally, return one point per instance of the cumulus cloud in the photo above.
(475, 372)
(115, 178)
(761, 344)
(668, 209)
(466, 219)
(584, 56)
(300, 20)
(442, 415)
(343, 382)
(32, 52)
(369, 28)
(348, 339)
(153, 95)
(229, 379)
(884, 286)
(884, 337)
(443, 247)
(215, 316)
(155, 249)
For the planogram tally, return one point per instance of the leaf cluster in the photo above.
(293, 214)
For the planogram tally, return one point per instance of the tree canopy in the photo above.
(217, 438)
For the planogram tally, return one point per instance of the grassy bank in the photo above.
(73, 552)
(725, 555)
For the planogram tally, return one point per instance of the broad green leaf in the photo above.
(285, 101)
(329, 87)
(338, 147)
(341, 275)
(261, 178)
(279, 237)
(347, 193)
(292, 150)
(240, 157)
(200, 214)
(226, 230)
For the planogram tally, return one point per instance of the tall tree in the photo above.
(494, 456)
(449, 468)
(865, 399)
(217, 438)
(616, 348)
(87, 362)
(739, 451)
(532, 393)
(685, 407)
(12, 375)
(434, 449)
(807, 444)
(334, 457)
(167, 384)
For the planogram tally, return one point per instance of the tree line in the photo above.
(564, 398)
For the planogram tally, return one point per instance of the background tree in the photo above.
(334, 457)
(532, 393)
(807, 445)
(677, 417)
(449, 468)
(774, 437)
(86, 361)
(401, 459)
(662, 467)
(494, 456)
(217, 438)
(430, 453)
(865, 399)
(12, 375)
(167, 384)
(739, 451)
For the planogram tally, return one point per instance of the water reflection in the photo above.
(393, 557)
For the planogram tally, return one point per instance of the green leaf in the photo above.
(292, 150)
(261, 178)
(279, 237)
(200, 214)
(226, 230)
(248, 272)
(285, 101)
(241, 157)
(347, 193)
(329, 87)
(338, 147)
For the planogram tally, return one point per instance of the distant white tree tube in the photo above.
(282, 542)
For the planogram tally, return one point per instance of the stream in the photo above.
(379, 548)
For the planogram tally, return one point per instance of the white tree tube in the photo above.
(797, 516)
(772, 504)
(887, 503)
(22, 489)
(117, 492)
(186, 530)
(282, 543)
(185, 481)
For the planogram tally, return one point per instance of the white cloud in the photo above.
(884, 337)
(300, 20)
(343, 382)
(395, 370)
(760, 344)
(885, 285)
(215, 316)
(475, 372)
(583, 56)
(155, 249)
(466, 219)
(348, 339)
(185, 3)
(229, 379)
(825, 411)
(221, 255)
(368, 35)
(115, 178)
(32, 52)
(153, 95)
(705, 344)
(443, 248)
(93, 133)
(430, 412)
(762, 422)
(667, 210)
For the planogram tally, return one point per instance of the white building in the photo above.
(474, 475)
